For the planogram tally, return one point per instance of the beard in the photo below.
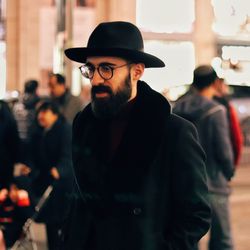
(108, 107)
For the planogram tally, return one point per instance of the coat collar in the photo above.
(144, 131)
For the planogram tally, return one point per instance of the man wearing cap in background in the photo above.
(139, 170)
(213, 128)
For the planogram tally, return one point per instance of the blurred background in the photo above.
(184, 34)
(34, 34)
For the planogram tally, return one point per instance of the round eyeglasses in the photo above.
(106, 71)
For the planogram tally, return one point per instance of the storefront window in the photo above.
(179, 60)
(165, 15)
(234, 64)
(232, 25)
(232, 17)
(167, 28)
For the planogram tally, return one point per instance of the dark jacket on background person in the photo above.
(9, 144)
(213, 129)
(52, 148)
(151, 195)
(236, 134)
(69, 105)
(24, 112)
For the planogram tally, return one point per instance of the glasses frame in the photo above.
(112, 68)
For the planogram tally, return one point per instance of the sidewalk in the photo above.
(240, 209)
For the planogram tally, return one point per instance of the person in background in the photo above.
(24, 112)
(211, 122)
(9, 144)
(15, 209)
(221, 96)
(69, 104)
(139, 170)
(51, 165)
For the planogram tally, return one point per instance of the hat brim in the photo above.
(81, 54)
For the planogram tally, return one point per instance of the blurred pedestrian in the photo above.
(15, 209)
(51, 158)
(9, 144)
(24, 111)
(140, 172)
(69, 104)
(236, 134)
(211, 121)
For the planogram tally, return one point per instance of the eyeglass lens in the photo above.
(105, 71)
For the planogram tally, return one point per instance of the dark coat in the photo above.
(213, 129)
(9, 144)
(152, 195)
(69, 105)
(52, 148)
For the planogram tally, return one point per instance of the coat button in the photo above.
(137, 211)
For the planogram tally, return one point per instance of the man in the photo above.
(69, 104)
(213, 129)
(139, 170)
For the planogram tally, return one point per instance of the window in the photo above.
(179, 60)
(167, 32)
(232, 17)
(165, 15)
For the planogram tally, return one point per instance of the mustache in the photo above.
(101, 88)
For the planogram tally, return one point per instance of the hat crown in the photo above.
(122, 35)
(118, 39)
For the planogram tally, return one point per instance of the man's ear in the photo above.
(137, 71)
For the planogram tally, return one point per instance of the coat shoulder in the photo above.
(176, 123)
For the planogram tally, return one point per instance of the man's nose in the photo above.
(97, 79)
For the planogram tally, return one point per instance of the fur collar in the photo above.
(140, 143)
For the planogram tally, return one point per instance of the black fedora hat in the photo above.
(119, 39)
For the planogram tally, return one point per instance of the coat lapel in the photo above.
(137, 149)
(142, 138)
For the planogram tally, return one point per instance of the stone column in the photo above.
(204, 38)
(115, 10)
(22, 39)
(12, 41)
(28, 40)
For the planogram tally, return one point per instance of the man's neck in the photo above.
(207, 93)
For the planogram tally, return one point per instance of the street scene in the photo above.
(240, 212)
(126, 120)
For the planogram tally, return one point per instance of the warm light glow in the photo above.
(76, 82)
(216, 63)
(234, 65)
(165, 16)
